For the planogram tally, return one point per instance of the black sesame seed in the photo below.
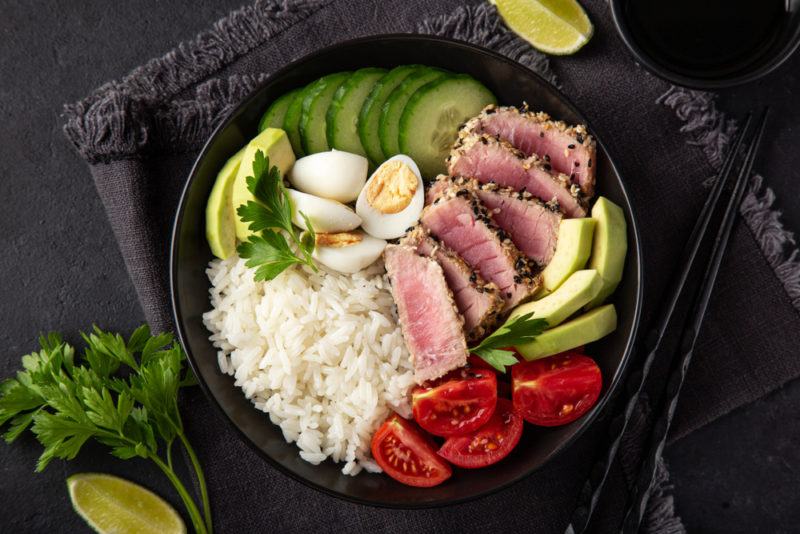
(508, 295)
(484, 141)
(547, 167)
(570, 146)
(541, 134)
(589, 163)
(491, 110)
(579, 138)
(473, 277)
(517, 279)
(577, 164)
(547, 157)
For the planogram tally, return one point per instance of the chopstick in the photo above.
(658, 437)
(593, 487)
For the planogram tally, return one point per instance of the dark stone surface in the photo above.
(61, 268)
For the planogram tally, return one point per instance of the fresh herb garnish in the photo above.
(121, 394)
(516, 331)
(268, 251)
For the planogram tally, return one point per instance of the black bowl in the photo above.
(513, 84)
(772, 54)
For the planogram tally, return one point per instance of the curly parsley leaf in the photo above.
(270, 216)
(516, 331)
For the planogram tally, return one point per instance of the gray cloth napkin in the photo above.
(140, 136)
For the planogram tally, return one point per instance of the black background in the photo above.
(60, 268)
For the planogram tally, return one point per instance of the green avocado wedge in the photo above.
(573, 248)
(316, 101)
(609, 247)
(584, 329)
(389, 127)
(370, 115)
(571, 296)
(276, 112)
(343, 113)
(276, 146)
(220, 215)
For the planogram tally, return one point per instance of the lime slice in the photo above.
(111, 504)
(559, 27)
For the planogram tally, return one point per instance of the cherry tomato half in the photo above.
(490, 443)
(408, 456)
(556, 390)
(457, 403)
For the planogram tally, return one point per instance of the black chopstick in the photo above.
(593, 487)
(658, 437)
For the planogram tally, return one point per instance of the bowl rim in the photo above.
(587, 420)
(649, 63)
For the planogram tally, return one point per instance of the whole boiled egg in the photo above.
(392, 199)
(348, 252)
(325, 215)
(334, 175)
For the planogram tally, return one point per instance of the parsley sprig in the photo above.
(120, 393)
(270, 217)
(516, 331)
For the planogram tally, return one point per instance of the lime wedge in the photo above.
(111, 504)
(559, 27)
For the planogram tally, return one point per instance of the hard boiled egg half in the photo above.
(348, 252)
(325, 215)
(392, 199)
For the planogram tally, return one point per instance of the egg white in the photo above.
(352, 258)
(334, 175)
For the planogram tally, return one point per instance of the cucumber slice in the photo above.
(276, 112)
(342, 118)
(393, 108)
(316, 102)
(291, 122)
(430, 120)
(370, 115)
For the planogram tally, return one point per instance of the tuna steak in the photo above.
(490, 160)
(478, 302)
(568, 149)
(431, 326)
(532, 225)
(462, 223)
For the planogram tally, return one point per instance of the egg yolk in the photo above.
(392, 187)
(342, 239)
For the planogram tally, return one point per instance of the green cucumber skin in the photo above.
(370, 114)
(312, 119)
(416, 132)
(393, 108)
(276, 112)
(291, 122)
(343, 113)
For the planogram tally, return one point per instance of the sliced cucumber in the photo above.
(276, 112)
(291, 122)
(342, 118)
(318, 98)
(370, 116)
(393, 108)
(429, 123)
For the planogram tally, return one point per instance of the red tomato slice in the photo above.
(490, 443)
(408, 456)
(556, 390)
(457, 403)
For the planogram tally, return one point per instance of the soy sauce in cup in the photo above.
(709, 43)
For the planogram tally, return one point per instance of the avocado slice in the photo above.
(580, 288)
(609, 247)
(584, 329)
(276, 146)
(572, 250)
(220, 216)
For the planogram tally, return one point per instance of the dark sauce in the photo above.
(707, 38)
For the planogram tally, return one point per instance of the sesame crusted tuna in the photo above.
(490, 160)
(431, 325)
(477, 301)
(568, 149)
(532, 225)
(459, 220)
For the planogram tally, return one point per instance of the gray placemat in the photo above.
(141, 134)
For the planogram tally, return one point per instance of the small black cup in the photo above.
(709, 44)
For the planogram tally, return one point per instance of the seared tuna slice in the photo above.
(431, 326)
(488, 160)
(458, 220)
(568, 149)
(478, 302)
(532, 226)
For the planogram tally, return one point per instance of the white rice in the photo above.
(321, 353)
